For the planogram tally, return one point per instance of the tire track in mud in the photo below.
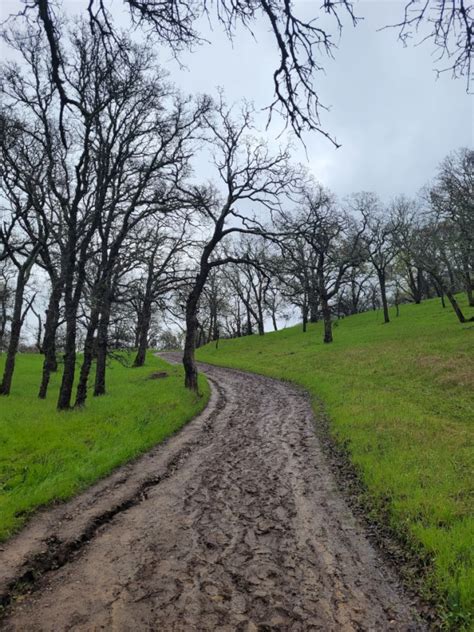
(245, 531)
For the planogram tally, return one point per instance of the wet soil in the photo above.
(236, 523)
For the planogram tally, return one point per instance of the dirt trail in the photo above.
(234, 524)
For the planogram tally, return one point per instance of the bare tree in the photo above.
(7, 276)
(22, 253)
(379, 240)
(354, 291)
(158, 252)
(452, 197)
(248, 172)
(295, 270)
(407, 214)
(251, 282)
(333, 238)
(430, 243)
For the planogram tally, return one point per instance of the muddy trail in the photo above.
(235, 523)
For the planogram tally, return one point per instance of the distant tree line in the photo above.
(329, 259)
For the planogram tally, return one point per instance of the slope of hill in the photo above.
(399, 397)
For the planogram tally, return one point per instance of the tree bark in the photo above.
(326, 310)
(439, 291)
(3, 321)
(144, 328)
(190, 368)
(304, 314)
(89, 344)
(415, 283)
(470, 295)
(15, 331)
(468, 284)
(457, 309)
(313, 309)
(238, 321)
(17, 322)
(260, 323)
(383, 292)
(50, 363)
(65, 391)
(71, 301)
(102, 345)
(274, 322)
(249, 322)
(192, 302)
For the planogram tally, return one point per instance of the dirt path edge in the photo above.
(410, 566)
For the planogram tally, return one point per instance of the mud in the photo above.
(236, 523)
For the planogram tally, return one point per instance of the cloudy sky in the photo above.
(394, 119)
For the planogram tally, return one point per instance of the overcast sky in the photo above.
(394, 119)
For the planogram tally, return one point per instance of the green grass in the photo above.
(46, 455)
(400, 396)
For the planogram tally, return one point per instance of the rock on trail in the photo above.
(236, 523)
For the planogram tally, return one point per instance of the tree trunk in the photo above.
(456, 308)
(326, 310)
(81, 393)
(304, 314)
(439, 291)
(249, 323)
(102, 344)
(470, 295)
(65, 391)
(383, 292)
(142, 347)
(192, 302)
(452, 299)
(137, 331)
(313, 310)
(274, 322)
(374, 300)
(50, 363)
(3, 321)
(72, 286)
(415, 283)
(238, 321)
(468, 284)
(210, 331)
(15, 331)
(260, 323)
(190, 368)
(215, 327)
(419, 286)
(354, 298)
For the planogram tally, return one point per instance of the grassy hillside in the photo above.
(46, 455)
(401, 397)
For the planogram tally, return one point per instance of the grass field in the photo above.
(401, 397)
(46, 455)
